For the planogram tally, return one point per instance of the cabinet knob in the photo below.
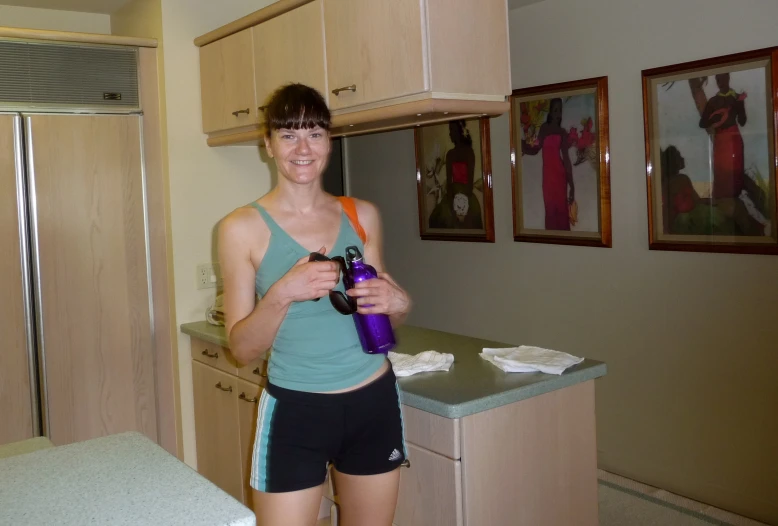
(406, 463)
(243, 397)
(246, 111)
(259, 373)
(209, 355)
(337, 91)
(220, 386)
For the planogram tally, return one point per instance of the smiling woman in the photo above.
(326, 400)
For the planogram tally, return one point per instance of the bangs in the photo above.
(295, 107)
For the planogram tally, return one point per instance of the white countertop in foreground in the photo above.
(123, 479)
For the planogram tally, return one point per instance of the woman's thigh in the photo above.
(367, 499)
(293, 508)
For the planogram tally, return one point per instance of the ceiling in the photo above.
(86, 6)
(513, 4)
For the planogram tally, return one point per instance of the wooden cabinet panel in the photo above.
(248, 400)
(432, 432)
(376, 46)
(91, 231)
(254, 372)
(217, 429)
(214, 355)
(430, 491)
(279, 59)
(227, 83)
(15, 394)
(469, 48)
(533, 461)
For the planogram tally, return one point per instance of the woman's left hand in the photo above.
(381, 295)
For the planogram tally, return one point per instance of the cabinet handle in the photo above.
(406, 463)
(209, 355)
(246, 111)
(259, 373)
(242, 396)
(228, 389)
(337, 91)
(262, 108)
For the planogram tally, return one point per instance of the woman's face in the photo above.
(556, 113)
(301, 155)
(454, 132)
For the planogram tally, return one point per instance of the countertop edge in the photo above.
(190, 330)
(497, 400)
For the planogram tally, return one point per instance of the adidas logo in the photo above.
(396, 455)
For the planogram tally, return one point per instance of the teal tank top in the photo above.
(316, 348)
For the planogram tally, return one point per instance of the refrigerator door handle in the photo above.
(36, 281)
(27, 282)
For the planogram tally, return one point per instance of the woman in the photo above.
(557, 169)
(723, 113)
(326, 401)
(459, 207)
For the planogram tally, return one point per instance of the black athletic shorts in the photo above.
(298, 434)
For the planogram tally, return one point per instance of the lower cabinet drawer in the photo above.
(430, 490)
(214, 355)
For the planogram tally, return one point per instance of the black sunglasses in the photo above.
(343, 303)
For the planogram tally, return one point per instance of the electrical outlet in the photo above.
(208, 276)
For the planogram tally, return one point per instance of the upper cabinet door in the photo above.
(374, 50)
(290, 48)
(227, 83)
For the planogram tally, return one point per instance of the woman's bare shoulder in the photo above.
(366, 209)
(245, 226)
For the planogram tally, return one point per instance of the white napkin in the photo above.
(525, 359)
(408, 364)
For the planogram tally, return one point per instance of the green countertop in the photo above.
(117, 480)
(471, 385)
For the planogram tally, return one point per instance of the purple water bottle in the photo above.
(375, 330)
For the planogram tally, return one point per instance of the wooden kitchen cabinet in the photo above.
(374, 50)
(227, 83)
(217, 428)
(380, 65)
(526, 455)
(225, 398)
(248, 398)
(430, 490)
(290, 48)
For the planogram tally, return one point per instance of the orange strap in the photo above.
(350, 208)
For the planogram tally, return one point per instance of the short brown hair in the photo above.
(296, 106)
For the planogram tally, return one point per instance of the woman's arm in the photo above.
(526, 149)
(740, 109)
(707, 113)
(565, 146)
(384, 294)
(252, 326)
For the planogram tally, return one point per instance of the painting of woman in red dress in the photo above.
(724, 113)
(553, 141)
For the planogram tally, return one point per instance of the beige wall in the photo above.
(205, 183)
(690, 399)
(55, 20)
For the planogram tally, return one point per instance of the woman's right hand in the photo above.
(307, 280)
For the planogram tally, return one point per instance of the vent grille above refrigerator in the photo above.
(37, 75)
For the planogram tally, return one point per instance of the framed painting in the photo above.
(710, 132)
(454, 181)
(560, 163)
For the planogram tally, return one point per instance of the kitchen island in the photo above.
(123, 479)
(485, 447)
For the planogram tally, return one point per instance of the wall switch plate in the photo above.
(208, 276)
